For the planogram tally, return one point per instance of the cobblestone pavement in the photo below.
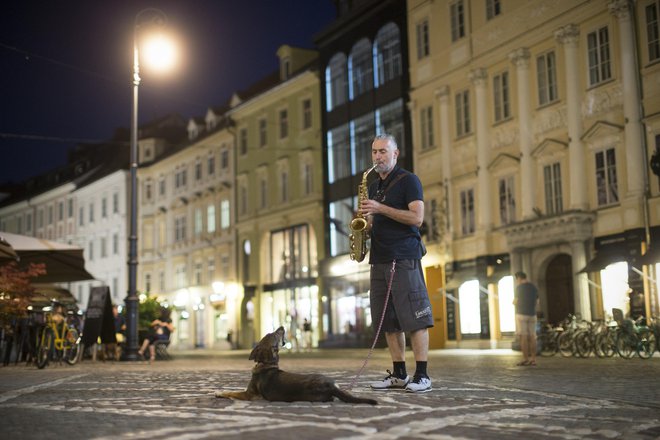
(476, 395)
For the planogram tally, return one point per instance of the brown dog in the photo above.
(270, 383)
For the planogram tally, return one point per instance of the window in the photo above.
(552, 183)
(360, 69)
(457, 17)
(60, 211)
(653, 30)
(501, 97)
(199, 221)
(104, 208)
(599, 56)
(263, 193)
(242, 141)
(210, 269)
(426, 127)
(104, 247)
(197, 274)
(242, 199)
(423, 49)
(306, 114)
(263, 132)
(463, 113)
(198, 170)
(210, 219)
(115, 203)
(91, 212)
(341, 214)
(180, 280)
(179, 228)
(389, 119)
(467, 212)
(284, 186)
(50, 215)
(546, 75)
(606, 180)
(115, 244)
(307, 178)
(70, 208)
(147, 282)
(28, 222)
(224, 159)
(388, 54)
(362, 131)
(148, 193)
(161, 187)
(161, 281)
(180, 178)
(493, 9)
(210, 164)
(224, 214)
(81, 217)
(335, 82)
(284, 124)
(339, 153)
(507, 200)
(290, 256)
(91, 251)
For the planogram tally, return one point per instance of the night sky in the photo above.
(66, 67)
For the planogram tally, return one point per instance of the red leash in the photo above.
(380, 325)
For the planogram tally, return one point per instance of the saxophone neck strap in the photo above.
(384, 185)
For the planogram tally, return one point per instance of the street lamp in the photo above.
(160, 55)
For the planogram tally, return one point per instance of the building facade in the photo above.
(364, 87)
(279, 199)
(544, 116)
(186, 242)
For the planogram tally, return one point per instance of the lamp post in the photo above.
(155, 17)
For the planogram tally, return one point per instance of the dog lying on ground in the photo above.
(270, 383)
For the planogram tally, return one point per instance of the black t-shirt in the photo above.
(526, 296)
(391, 240)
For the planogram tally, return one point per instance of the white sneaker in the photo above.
(390, 382)
(419, 385)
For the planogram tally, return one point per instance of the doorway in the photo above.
(559, 288)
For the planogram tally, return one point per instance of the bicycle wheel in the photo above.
(548, 344)
(565, 344)
(605, 345)
(626, 345)
(71, 347)
(646, 344)
(43, 352)
(583, 344)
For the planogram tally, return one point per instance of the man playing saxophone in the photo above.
(394, 211)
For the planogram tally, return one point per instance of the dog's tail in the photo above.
(349, 398)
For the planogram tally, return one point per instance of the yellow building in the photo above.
(279, 198)
(533, 126)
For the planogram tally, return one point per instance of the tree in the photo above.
(16, 290)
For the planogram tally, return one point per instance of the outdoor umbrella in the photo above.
(64, 262)
(6, 251)
(44, 294)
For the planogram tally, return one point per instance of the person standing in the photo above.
(395, 211)
(525, 301)
(307, 334)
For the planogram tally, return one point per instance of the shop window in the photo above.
(470, 310)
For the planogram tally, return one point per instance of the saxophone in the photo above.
(359, 234)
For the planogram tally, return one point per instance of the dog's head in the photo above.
(268, 349)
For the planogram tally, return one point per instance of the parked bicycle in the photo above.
(634, 336)
(57, 340)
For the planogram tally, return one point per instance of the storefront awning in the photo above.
(602, 259)
(652, 256)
